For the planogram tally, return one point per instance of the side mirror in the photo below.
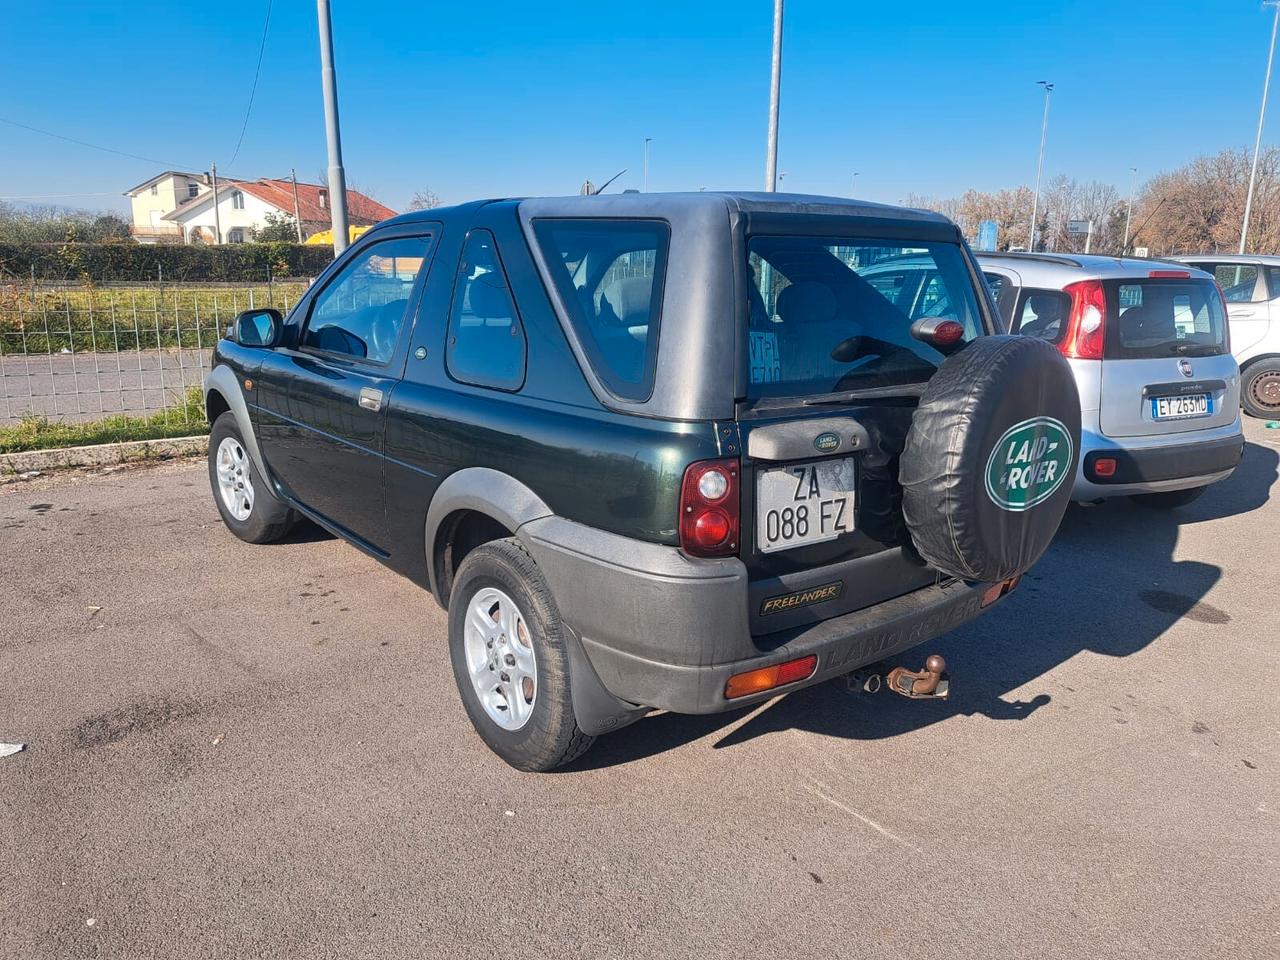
(942, 333)
(258, 328)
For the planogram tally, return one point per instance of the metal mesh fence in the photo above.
(78, 353)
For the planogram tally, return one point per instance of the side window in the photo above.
(486, 345)
(1239, 281)
(609, 273)
(1043, 314)
(361, 311)
(1273, 282)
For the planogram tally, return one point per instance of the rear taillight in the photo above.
(709, 508)
(1086, 326)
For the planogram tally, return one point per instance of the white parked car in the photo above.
(1251, 285)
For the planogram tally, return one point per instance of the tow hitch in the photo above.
(931, 683)
(927, 684)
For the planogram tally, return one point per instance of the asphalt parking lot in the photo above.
(258, 751)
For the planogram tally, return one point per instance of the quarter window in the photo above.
(1043, 314)
(486, 344)
(361, 312)
(609, 275)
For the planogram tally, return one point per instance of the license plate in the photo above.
(1182, 408)
(804, 503)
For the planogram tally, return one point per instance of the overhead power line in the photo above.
(262, 46)
(92, 146)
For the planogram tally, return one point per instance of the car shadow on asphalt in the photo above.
(1110, 584)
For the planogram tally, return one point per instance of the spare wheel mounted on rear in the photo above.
(991, 458)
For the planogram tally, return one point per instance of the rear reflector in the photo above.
(998, 590)
(1104, 467)
(766, 678)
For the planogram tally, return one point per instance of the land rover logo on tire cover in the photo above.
(826, 442)
(1028, 463)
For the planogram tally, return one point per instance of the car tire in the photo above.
(248, 507)
(1260, 389)
(1169, 499)
(505, 632)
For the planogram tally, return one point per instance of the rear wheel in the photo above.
(1170, 499)
(506, 644)
(1260, 389)
(248, 507)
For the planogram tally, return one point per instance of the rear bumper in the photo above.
(1154, 464)
(663, 631)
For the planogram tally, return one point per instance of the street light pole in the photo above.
(1128, 213)
(333, 135)
(855, 184)
(1262, 113)
(1044, 130)
(775, 89)
(647, 141)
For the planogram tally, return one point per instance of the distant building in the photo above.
(178, 207)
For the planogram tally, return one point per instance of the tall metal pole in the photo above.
(333, 135)
(1044, 130)
(297, 214)
(775, 90)
(1262, 113)
(217, 217)
(1128, 213)
(855, 185)
(647, 141)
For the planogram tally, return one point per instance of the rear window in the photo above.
(828, 314)
(1164, 318)
(609, 274)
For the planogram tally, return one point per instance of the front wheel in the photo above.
(1260, 389)
(1170, 499)
(248, 507)
(506, 644)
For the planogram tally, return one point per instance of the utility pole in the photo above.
(333, 135)
(297, 215)
(217, 217)
(1262, 113)
(647, 141)
(1128, 213)
(1044, 130)
(775, 89)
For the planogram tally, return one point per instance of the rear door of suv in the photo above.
(1167, 364)
(834, 376)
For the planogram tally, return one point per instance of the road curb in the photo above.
(100, 454)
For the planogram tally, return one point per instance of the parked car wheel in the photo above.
(1170, 499)
(1260, 389)
(248, 507)
(509, 659)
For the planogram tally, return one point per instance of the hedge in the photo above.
(102, 262)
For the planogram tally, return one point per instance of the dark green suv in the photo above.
(679, 452)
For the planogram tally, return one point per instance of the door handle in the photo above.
(1241, 314)
(371, 399)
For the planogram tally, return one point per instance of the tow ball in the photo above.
(930, 683)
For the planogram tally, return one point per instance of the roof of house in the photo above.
(160, 176)
(279, 194)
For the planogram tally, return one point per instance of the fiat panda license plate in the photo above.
(1181, 408)
(804, 503)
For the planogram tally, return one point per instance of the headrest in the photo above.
(487, 296)
(629, 298)
(807, 302)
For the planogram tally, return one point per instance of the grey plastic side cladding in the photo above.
(511, 503)
(223, 379)
(490, 492)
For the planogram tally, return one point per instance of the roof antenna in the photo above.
(602, 187)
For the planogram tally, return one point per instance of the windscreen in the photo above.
(1164, 318)
(834, 314)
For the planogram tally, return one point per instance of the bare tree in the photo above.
(425, 199)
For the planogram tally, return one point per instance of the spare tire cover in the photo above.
(991, 457)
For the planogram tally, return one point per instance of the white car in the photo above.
(1251, 285)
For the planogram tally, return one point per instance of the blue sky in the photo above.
(501, 99)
